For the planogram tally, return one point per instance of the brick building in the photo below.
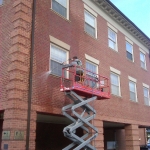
(35, 37)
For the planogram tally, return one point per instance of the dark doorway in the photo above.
(49, 136)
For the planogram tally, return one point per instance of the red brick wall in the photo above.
(46, 93)
(142, 137)
(15, 22)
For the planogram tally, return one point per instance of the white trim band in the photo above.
(132, 79)
(90, 10)
(145, 85)
(115, 70)
(92, 59)
(128, 40)
(112, 27)
(142, 51)
(59, 43)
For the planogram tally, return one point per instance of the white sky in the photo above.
(138, 11)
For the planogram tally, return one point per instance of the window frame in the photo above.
(136, 100)
(145, 67)
(129, 52)
(92, 64)
(67, 9)
(119, 87)
(146, 97)
(95, 21)
(67, 56)
(116, 44)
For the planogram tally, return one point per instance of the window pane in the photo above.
(59, 8)
(90, 30)
(129, 47)
(91, 67)
(146, 92)
(132, 86)
(1, 2)
(112, 35)
(91, 75)
(114, 90)
(56, 68)
(89, 19)
(57, 54)
(146, 101)
(114, 79)
(132, 96)
(143, 65)
(111, 44)
(129, 56)
(142, 57)
(62, 2)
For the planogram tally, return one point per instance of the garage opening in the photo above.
(49, 132)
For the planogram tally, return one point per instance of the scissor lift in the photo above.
(88, 88)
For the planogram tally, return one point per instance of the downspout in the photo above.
(30, 75)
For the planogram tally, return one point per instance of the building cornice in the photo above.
(125, 22)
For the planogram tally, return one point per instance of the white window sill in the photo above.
(134, 101)
(113, 49)
(116, 95)
(90, 35)
(144, 69)
(60, 15)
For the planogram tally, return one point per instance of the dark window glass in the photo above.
(59, 8)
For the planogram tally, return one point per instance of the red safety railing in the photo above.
(85, 83)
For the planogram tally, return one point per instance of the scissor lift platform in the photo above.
(82, 90)
(90, 84)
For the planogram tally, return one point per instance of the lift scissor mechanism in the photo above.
(82, 90)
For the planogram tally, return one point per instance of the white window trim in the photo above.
(92, 59)
(59, 43)
(95, 24)
(144, 61)
(136, 100)
(1, 3)
(90, 10)
(129, 41)
(132, 79)
(116, 72)
(131, 53)
(112, 27)
(116, 44)
(142, 51)
(147, 87)
(93, 64)
(66, 8)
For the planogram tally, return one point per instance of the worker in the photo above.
(76, 63)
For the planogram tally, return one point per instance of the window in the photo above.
(132, 88)
(112, 39)
(90, 24)
(61, 7)
(146, 96)
(129, 50)
(143, 60)
(57, 57)
(1, 2)
(93, 69)
(115, 84)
